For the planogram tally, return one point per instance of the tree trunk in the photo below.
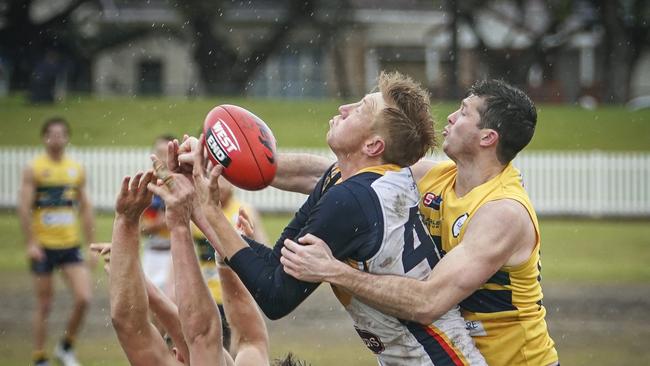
(618, 55)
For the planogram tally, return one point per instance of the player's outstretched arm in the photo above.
(249, 335)
(198, 313)
(492, 238)
(161, 306)
(128, 299)
(167, 314)
(299, 172)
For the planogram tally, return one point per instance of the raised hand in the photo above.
(178, 193)
(134, 197)
(245, 224)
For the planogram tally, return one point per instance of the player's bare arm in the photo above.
(167, 314)
(228, 239)
(299, 172)
(493, 239)
(421, 168)
(129, 305)
(160, 305)
(197, 310)
(250, 338)
(87, 218)
(27, 192)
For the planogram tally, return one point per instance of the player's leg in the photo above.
(78, 278)
(44, 290)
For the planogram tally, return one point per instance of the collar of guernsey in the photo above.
(506, 315)
(379, 169)
(55, 218)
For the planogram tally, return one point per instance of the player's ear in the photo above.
(489, 137)
(374, 146)
(177, 355)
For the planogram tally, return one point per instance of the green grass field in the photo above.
(573, 250)
(582, 260)
(594, 270)
(135, 122)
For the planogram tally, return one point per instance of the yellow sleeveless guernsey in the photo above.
(505, 316)
(206, 251)
(55, 217)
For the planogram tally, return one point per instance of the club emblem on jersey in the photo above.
(458, 224)
(431, 200)
(371, 341)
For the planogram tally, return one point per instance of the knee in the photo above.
(44, 305)
(82, 301)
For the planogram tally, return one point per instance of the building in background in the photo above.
(558, 51)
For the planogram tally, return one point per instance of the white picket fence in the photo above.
(559, 182)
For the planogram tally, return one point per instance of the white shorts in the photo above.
(156, 265)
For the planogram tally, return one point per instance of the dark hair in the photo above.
(165, 137)
(510, 112)
(55, 121)
(406, 121)
(290, 360)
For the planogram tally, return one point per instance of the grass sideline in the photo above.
(136, 121)
(598, 251)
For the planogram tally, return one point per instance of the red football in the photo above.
(243, 144)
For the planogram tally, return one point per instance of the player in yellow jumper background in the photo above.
(52, 197)
(478, 212)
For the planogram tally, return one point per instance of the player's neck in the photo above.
(350, 165)
(474, 172)
(55, 155)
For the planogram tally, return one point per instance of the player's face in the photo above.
(56, 137)
(462, 134)
(354, 123)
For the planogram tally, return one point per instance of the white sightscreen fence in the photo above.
(559, 182)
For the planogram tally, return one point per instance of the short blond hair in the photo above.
(405, 123)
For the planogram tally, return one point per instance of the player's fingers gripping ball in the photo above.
(243, 144)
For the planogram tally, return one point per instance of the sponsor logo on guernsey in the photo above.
(72, 173)
(458, 224)
(371, 341)
(432, 200)
(222, 142)
(475, 328)
(58, 218)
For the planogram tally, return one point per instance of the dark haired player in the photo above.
(52, 197)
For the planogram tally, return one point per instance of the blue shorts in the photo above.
(56, 258)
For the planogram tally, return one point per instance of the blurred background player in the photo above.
(52, 198)
(232, 208)
(156, 255)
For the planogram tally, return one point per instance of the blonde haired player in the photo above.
(366, 205)
(476, 208)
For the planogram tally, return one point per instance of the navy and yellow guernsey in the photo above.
(505, 316)
(206, 252)
(55, 217)
(370, 220)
